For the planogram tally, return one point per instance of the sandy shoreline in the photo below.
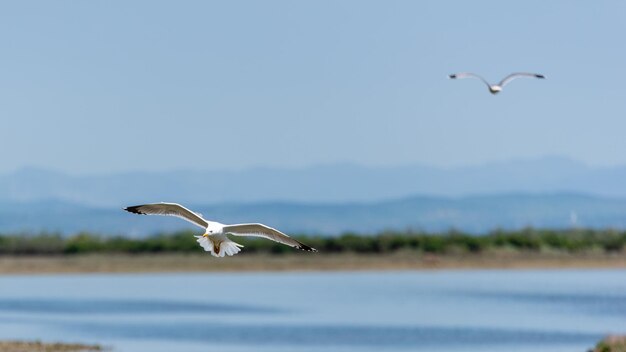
(609, 344)
(37, 346)
(123, 263)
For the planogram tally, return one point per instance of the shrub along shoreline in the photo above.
(572, 241)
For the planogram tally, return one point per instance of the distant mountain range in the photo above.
(475, 214)
(330, 199)
(325, 183)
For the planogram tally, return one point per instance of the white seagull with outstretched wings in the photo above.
(214, 239)
(496, 88)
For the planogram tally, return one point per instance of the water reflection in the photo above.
(597, 304)
(122, 306)
(328, 335)
(481, 311)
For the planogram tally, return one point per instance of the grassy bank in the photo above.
(526, 241)
(46, 253)
(611, 344)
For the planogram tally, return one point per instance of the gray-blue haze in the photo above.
(478, 214)
(99, 86)
(330, 199)
(336, 183)
(549, 311)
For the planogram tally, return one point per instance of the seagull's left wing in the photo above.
(260, 230)
(468, 75)
(513, 76)
(169, 209)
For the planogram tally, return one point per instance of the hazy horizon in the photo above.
(512, 161)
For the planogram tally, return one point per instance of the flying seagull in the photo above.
(496, 88)
(214, 239)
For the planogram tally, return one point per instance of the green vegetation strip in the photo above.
(611, 344)
(453, 242)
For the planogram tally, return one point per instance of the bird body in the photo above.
(496, 88)
(214, 239)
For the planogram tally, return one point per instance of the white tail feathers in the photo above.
(218, 245)
(229, 248)
(204, 243)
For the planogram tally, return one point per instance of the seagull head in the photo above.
(214, 228)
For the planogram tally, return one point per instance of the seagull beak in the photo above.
(205, 235)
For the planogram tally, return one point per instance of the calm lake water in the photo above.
(371, 311)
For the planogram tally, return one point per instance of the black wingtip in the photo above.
(540, 76)
(304, 247)
(134, 210)
(453, 76)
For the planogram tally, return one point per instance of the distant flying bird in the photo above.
(214, 239)
(496, 88)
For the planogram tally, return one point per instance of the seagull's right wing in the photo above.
(513, 76)
(169, 209)
(260, 230)
(468, 75)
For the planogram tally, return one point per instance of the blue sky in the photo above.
(111, 86)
